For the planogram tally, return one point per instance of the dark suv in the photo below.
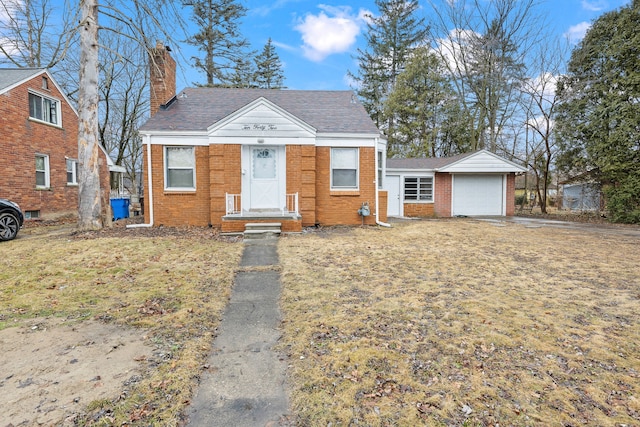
(11, 219)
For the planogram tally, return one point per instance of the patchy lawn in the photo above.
(460, 322)
(108, 328)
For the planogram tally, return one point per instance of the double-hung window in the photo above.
(344, 168)
(419, 189)
(180, 168)
(42, 171)
(72, 172)
(44, 109)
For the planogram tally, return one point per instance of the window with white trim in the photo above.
(44, 109)
(344, 168)
(419, 189)
(180, 168)
(72, 172)
(42, 171)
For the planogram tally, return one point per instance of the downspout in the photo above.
(375, 182)
(150, 185)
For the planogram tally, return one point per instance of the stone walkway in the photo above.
(245, 384)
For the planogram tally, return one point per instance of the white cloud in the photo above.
(595, 5)
(266, 9)
(577, 32)
(333, 30)
(283, 46)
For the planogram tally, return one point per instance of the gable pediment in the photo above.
(261, 118)
(482, 162)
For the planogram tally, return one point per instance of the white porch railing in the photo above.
(234, 203)
(292, 204)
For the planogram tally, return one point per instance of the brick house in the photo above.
(39, 145)
(471, 184)
(227, 157)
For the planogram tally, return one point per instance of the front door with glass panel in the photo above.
(264, 179)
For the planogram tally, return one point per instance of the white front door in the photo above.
(264, 178)
(392, 184)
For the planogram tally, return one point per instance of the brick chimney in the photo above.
(162, 76)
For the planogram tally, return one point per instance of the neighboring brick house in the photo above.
(471, 184)
(39, 145)
(226, 157)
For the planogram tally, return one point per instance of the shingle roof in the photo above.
(430, 163)
(12, 76)
(195, 109)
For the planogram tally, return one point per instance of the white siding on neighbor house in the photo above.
(475, 195)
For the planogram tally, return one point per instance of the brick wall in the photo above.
(442, 198)
(301, 179)
(225, 177)
(341, 207)
(383, 203)
(419, 210)
(179, 208)
(22, 138)
(511, 194)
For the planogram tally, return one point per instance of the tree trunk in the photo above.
(89, 200)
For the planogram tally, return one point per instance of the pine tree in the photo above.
(426, 110)
(219, 39)
(391, 38)
(598, 116)
(269, 74)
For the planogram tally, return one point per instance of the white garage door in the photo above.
(477, 195)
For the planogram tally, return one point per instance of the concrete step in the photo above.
(263, 226)
(262, 230)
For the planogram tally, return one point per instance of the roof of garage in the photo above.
(482, 161)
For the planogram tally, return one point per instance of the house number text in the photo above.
(260, 126)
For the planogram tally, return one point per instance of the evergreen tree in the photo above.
(269, 74)
(219, 39)
(426, 110)
(598, 117)
(391, 38)
(243, 75)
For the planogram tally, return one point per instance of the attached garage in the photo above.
(478, 194)
(472, 184)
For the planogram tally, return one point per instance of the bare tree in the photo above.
(540, 102)
(123, 102)
(29, 37)
(484, 46)
(133, 19)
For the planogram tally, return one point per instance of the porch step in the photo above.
(261, 230)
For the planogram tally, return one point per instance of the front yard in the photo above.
(462, 322)
(441, 322)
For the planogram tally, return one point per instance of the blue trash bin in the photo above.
(120, 208)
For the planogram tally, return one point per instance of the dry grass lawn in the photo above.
(460, 322)
(171, 284)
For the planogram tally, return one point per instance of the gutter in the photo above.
(375, 182)
(150, 186)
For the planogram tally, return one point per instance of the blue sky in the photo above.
(317, 40)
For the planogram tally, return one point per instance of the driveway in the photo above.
(610, 229)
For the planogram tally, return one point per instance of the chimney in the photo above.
(162, 76)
